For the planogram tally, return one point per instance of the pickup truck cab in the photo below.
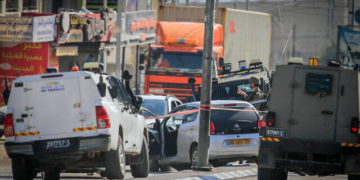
(74, 122)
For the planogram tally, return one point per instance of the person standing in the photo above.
(256, 93)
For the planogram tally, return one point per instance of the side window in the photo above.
(190, 117)
(176, 120)
(123, 95)
(178, 103)
(173, 104)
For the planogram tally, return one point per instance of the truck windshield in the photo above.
(177, 62)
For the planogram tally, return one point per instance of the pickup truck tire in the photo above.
(142, 169)
(115, 162)
(21, 169)
(353, 177)
(51, 175)
(271, 174)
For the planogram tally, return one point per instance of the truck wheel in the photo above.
(271, 174)
(353, 177)
(21, 169)
(50, 175)
(142, 169)
(115, 162)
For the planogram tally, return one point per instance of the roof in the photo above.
(221, 102)
(61, 75)
(156, 97)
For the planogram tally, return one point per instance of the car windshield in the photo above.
(158, 107)
(179, 62)
(231, 120)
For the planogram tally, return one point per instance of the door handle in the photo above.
(327, 112)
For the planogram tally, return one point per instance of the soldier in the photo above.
(256, 93)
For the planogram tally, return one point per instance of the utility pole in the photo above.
(247, 4)
(84, 3)
(351, 13)
(205, 106)
(118, 39)
(105, 3)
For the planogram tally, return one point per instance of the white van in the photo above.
(74, 122)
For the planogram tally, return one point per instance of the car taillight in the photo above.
(102, 118)
(8, 125)
(270, 119)
(212, 128)
(261, 124)
(354, 125)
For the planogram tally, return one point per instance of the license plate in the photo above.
(57, 144)
(54, 146)
(275, 132)
(237, 142)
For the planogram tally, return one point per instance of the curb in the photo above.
(225, 175)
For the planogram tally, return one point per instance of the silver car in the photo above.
(234, 133)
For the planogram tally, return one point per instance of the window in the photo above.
(190, 117)
(15, 6)
(176, 120)
(12, 6)
(30, 5)
(123, 95)
(318, 84)
(158, 107)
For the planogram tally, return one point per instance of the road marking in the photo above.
(225, 175)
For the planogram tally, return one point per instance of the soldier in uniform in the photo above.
(256, 93)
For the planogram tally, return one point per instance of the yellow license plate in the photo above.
(237, 142)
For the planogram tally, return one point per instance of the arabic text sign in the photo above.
(27, 29)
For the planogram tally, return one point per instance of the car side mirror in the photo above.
(101, 87)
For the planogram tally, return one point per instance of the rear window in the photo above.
(158, 107)
(318, 84)
(234, 120)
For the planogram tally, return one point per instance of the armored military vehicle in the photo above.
(312, 123)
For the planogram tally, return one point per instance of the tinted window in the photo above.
(235, 120)
(317, 83)
(122, 93)
(158, 107)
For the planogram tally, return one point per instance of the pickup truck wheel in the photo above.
(142, 169)
(50, 175)
(21, 169)
(271, 174)
(353, 177)
(115, 162)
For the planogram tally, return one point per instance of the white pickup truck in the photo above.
(75, 122)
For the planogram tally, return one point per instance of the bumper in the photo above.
(221, 149)
(83, 145)
(313, 158)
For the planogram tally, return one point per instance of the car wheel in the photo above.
(353, 177)
(115, 162)
(21, 169)
(154, 166)
(271, 174)
(50, 175)
(193, 155)
(142, 169)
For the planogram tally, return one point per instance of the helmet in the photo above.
(74, 68)
(255, 81)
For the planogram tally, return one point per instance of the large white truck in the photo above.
(74, 122)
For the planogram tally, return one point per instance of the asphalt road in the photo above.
(235, 171)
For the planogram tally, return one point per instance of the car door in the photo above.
(130, 120)
(168, 135)
(187, 134)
